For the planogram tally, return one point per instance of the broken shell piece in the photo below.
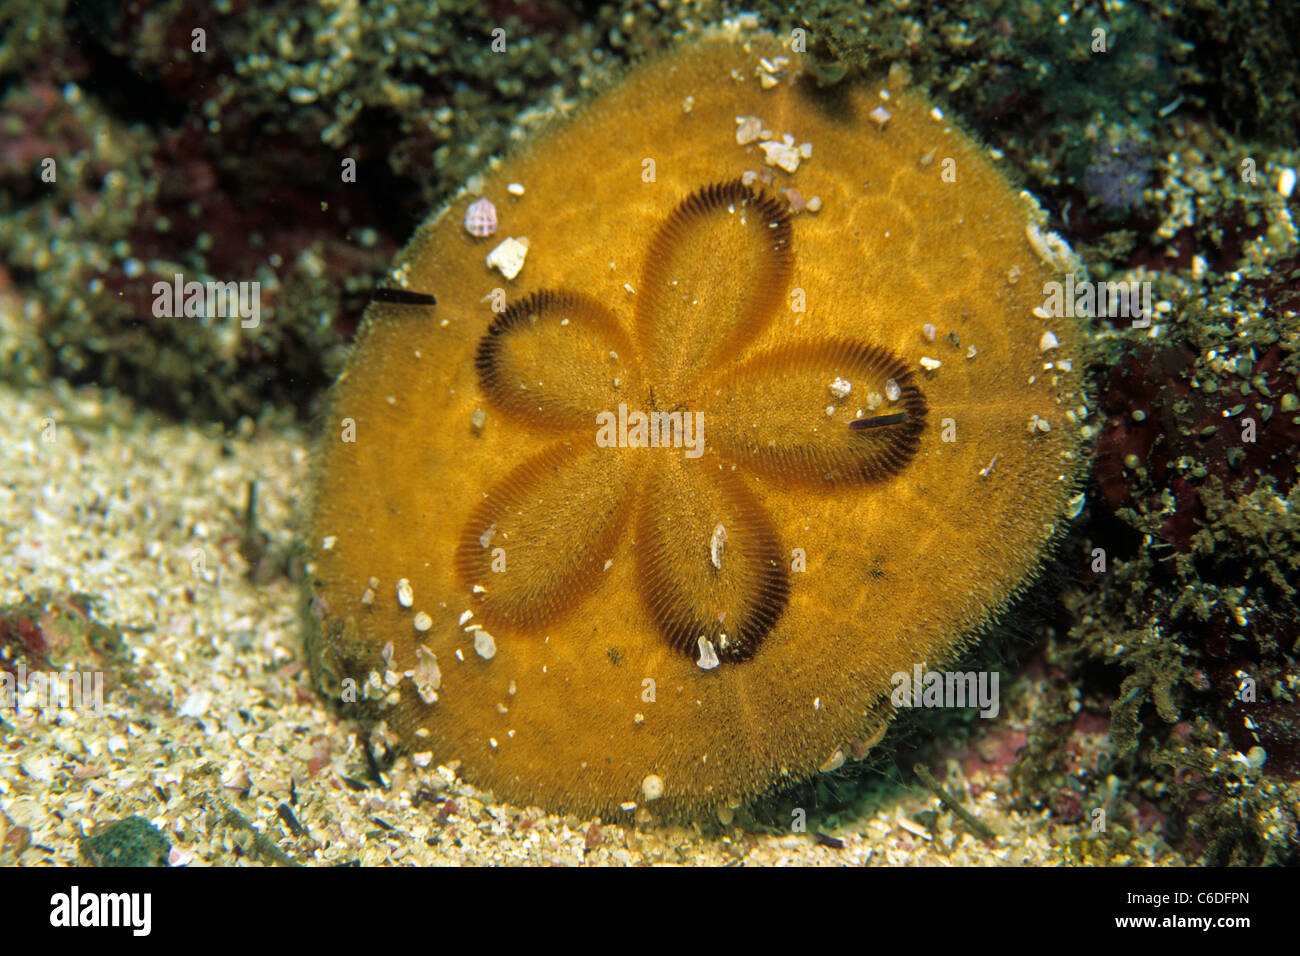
(748, 129)
(1048, 342)
(880, 116)
(485, 646)
(481, 218)
(1051, 248)
(840, 388)
(777, 153)
(652, 787)
(508, 257)
(708, 656)
(404, 595)
(427, 676)
(717, 544)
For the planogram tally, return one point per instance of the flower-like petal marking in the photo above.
(770, 412)
(556, 518)
(689, 597)
(691, 316)
(555, 358)
(539, 540)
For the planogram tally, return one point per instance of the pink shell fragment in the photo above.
(481, 218)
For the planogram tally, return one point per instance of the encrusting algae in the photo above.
(743, 407)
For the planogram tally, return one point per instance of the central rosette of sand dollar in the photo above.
(720, 413)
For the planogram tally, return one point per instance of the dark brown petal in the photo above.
(555, 359)
(714, 276)
(734, 603)
(771, 413)
(539, 540)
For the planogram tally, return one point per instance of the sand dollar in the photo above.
(752, 413)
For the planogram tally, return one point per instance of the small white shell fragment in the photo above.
(880, 116)
(485, 646)
(515, 189)
(748, 129)
(486, 537)
(481, 218)
(508, 257)
(1048, 342)
(196, 705)
(1075, 505)
(708, 656)
(892, 390)
(929, 364)
(840, 388)
(1286, 182)
(928, 331)
(328, 542)
(717, 544)
(464, 618)
(815, 204)
(423, 758)
(1051, 248)
(988, 469)
(805, 150)
(778, 153)
(915, 829)
(652, 787)
(405, 597)
(422, 621)
(688, 104)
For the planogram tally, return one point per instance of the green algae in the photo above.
(132, 841)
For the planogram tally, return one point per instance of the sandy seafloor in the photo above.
(220, 728)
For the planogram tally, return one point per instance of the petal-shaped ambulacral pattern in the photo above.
(694, 588)
(555, 359)
(691, 314)
(772, 412)
(536, 544)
